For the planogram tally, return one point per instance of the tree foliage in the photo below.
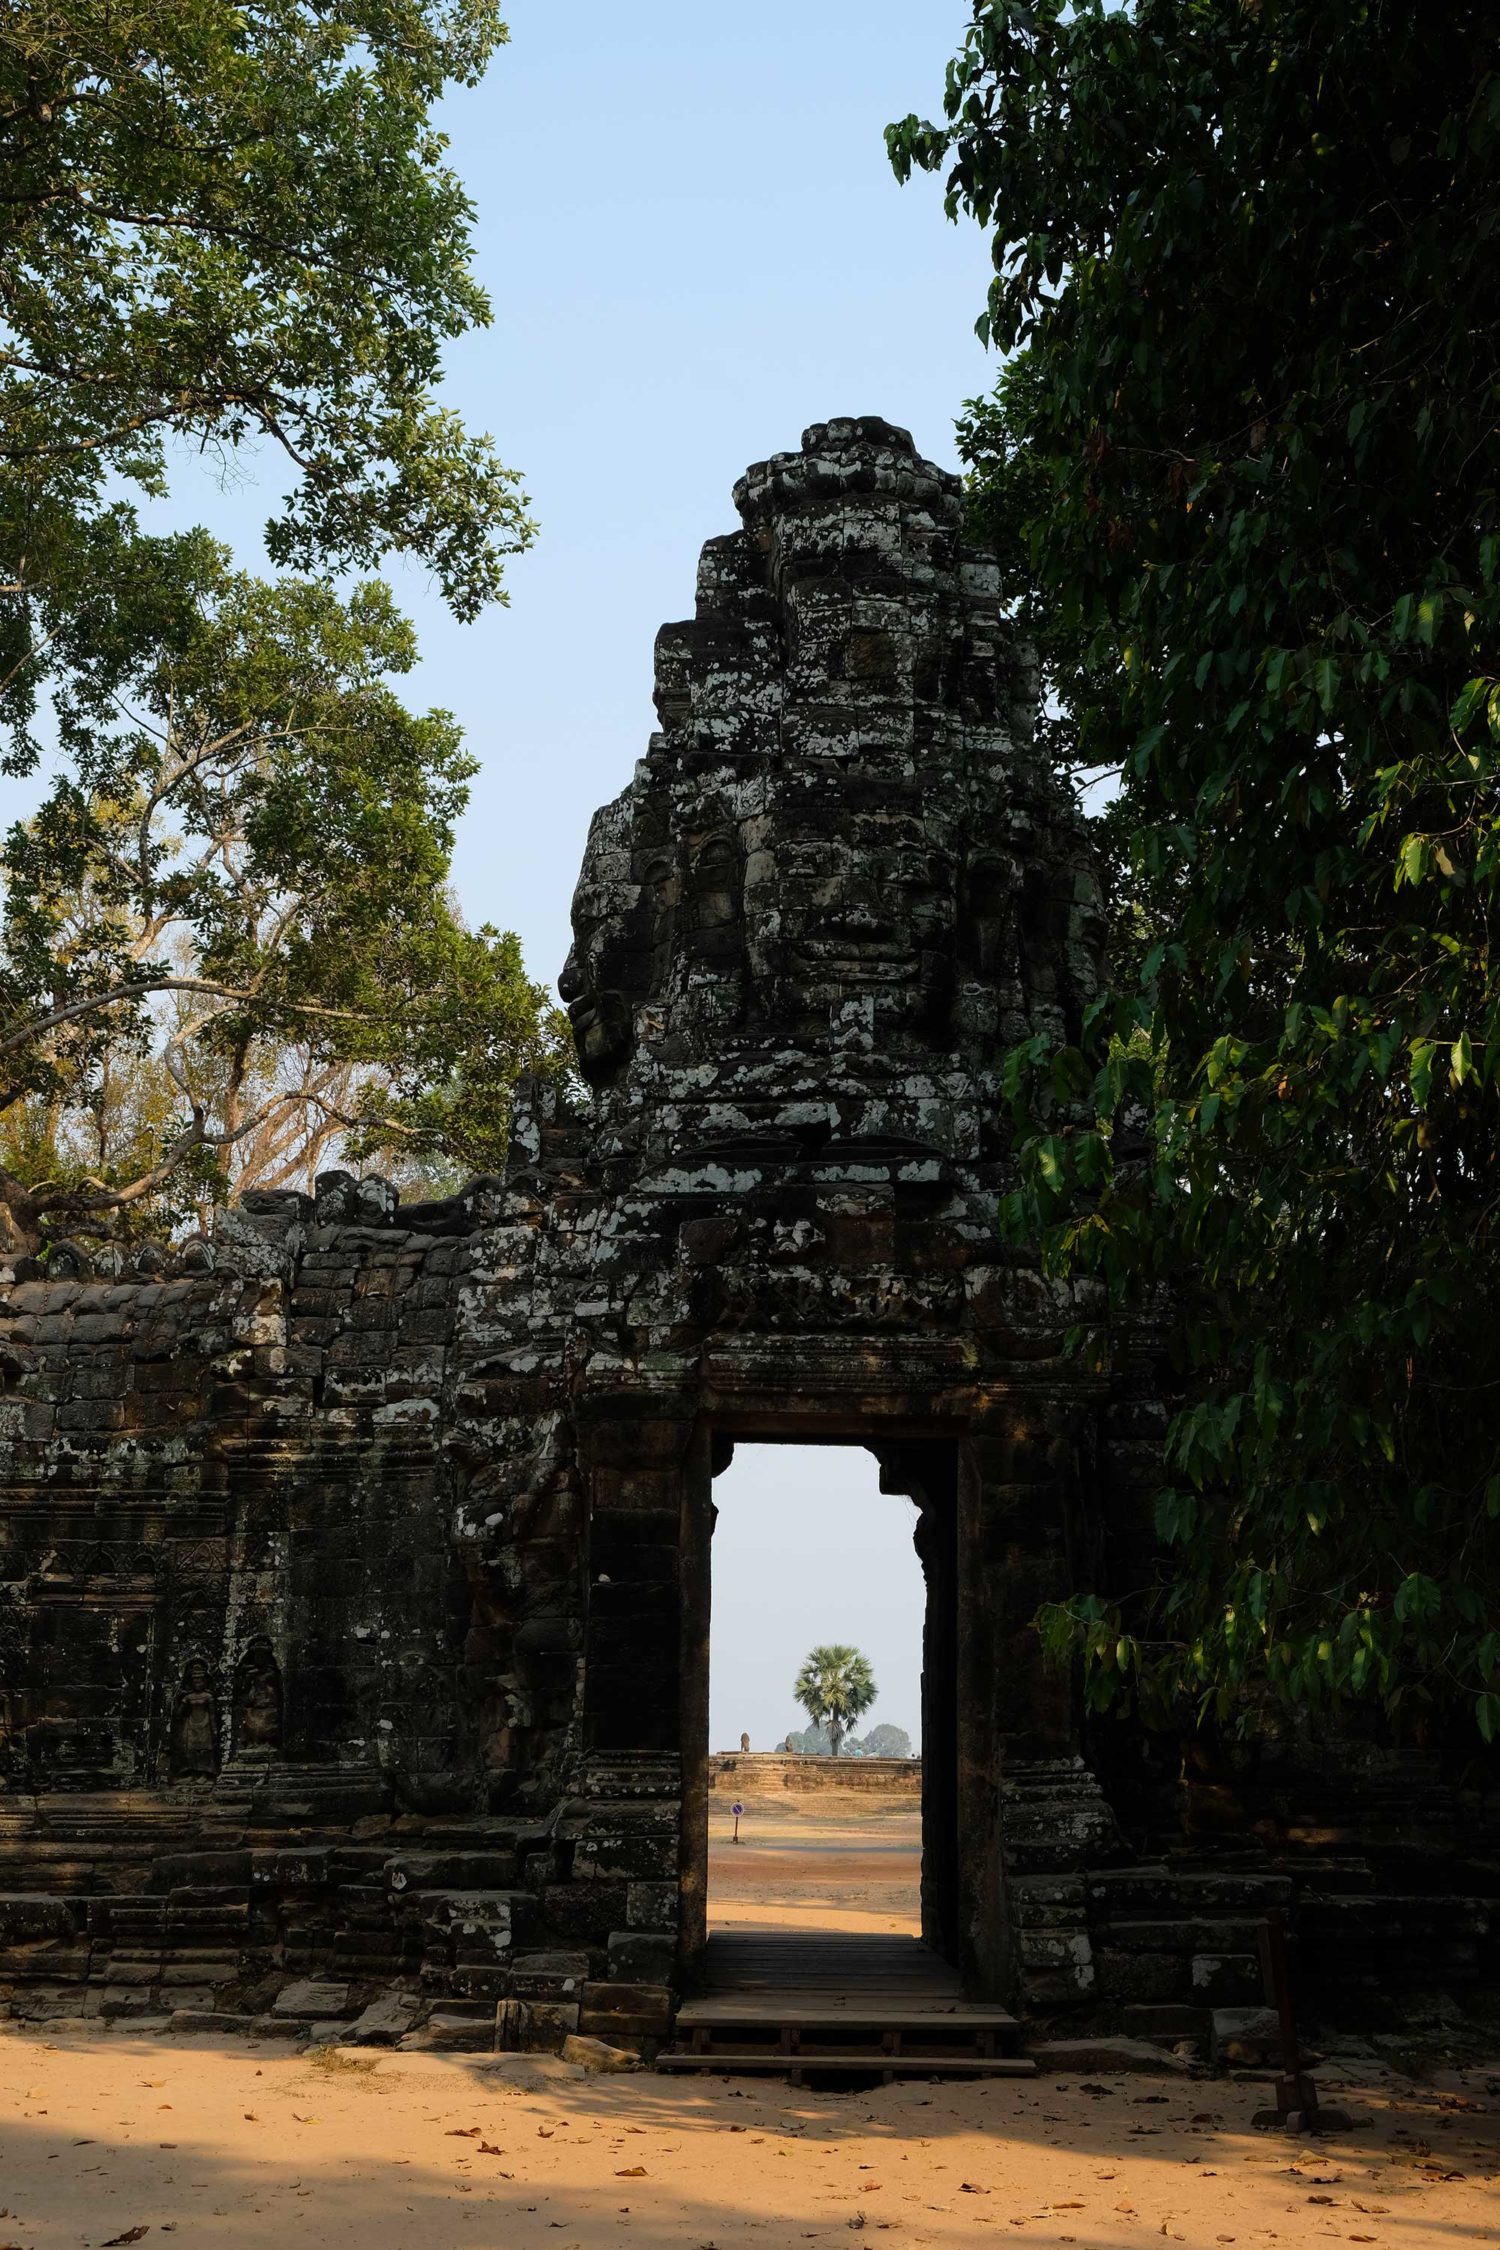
(229, 229)
(835, 1687)
(230, 226)
(886, 1742)
(1250, 440)
(244, 859)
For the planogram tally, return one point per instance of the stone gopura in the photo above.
(355, 1605)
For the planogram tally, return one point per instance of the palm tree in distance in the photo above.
(835, 1687)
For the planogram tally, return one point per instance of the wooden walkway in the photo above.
(821, 2002)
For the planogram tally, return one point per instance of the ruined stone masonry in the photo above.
(354, 1564)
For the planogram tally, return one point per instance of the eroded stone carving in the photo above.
(257, 1698)
(195, 1724)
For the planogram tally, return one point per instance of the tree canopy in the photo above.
(835, 1687)
(1248, 443)
(246, 858)
(230, 226)
(229, 229)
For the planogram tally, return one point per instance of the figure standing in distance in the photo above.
(744, 1742)
(195, 1724)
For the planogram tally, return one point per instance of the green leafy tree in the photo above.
(230, 227)
(1250, 444)
(835, 1687)
(228, 944)
(245, 860)
(886, 1742)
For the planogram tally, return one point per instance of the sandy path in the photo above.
(231, 2145)
(800, 1867)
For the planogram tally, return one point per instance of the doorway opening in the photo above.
(829, 1547)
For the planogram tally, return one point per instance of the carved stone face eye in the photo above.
(716, 902)
(716, 867)
(929, 895)
(658, 894)
(989, 888)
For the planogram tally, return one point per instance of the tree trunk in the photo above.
(835, 1735)
(20, 1219)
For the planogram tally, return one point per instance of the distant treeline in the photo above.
(880, 1742)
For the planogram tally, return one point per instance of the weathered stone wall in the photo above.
(354, 1565)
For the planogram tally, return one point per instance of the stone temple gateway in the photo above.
(354, 1565)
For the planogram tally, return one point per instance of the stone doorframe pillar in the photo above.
(1008, 1802)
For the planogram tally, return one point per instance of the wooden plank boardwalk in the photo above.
(824, 2001)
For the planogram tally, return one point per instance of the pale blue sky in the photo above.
(696, 247)
(808, 1549)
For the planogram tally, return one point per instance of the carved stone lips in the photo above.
(866, 967)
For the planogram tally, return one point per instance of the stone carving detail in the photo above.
(823, 844)
(195, 1724)
(257, 1698)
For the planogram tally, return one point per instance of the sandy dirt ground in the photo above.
(109, 2139)
(120, 2137)
(811, 1866)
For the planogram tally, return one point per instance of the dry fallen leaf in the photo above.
(967, 2187)
(632, 2172)
(131, 2234)
(488, 2148)
(463, 2132)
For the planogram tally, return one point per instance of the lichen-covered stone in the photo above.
(354, 1562)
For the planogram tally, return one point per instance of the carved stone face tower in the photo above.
(839, 848)
(354, 1568)
(839, 885)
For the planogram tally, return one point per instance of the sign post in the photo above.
(736, 1808)
(1298, 2109)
